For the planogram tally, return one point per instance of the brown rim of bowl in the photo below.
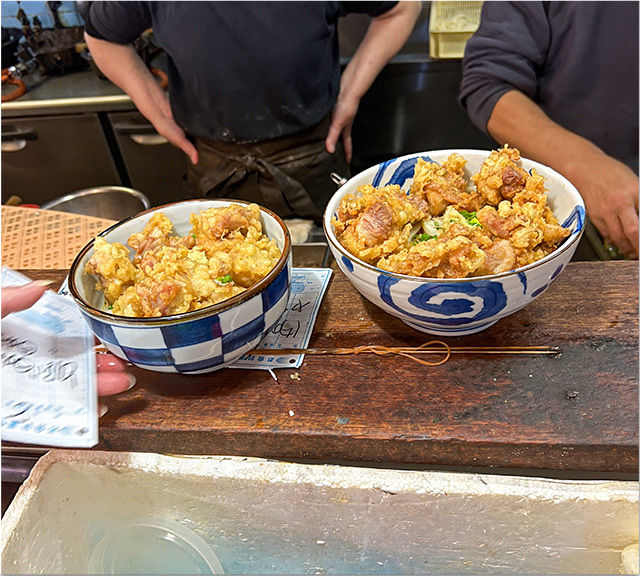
(334, 242)
(193, 314)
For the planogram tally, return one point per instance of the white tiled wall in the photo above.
(67, 13)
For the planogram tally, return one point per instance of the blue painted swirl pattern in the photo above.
(448, 304)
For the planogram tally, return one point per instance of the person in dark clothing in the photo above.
(256, 98)
(559, 81)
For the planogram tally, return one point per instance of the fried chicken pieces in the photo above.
(445, 227)
(379, 222)
(224, 254)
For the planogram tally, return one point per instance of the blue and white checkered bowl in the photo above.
(194, 342)
(455, 307)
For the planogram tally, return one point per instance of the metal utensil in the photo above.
(339, 180)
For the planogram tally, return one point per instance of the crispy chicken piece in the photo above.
(218, 229)
(111, 265)
(500, 225)
(500, 177)
(526, 227)
(155, 235)
(151, 299)
(499, 257)
(536, 193)
(458, 257)
(378, 222)
(444, 185)
(224, 254)
(252, 260)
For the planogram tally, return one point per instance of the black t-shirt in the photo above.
(240, 71)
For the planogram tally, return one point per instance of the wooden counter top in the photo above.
(577, 412)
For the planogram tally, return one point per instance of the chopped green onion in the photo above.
(193, 235)
(471, 218)
(422, 238)
(224, 279)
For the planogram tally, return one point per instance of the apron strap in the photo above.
(278, 191)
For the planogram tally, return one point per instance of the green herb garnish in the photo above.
(422, 238)
(471, 218)
(224, 279)
(193, 235)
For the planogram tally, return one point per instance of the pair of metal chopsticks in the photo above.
(431, 347)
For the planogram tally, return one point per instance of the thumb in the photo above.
(332, 137)
(190, 150)
(16, 298)
(176, 136)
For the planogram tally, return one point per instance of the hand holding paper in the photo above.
(112, 375)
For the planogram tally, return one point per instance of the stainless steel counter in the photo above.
(72, 93)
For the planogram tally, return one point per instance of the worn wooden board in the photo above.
(578, 411)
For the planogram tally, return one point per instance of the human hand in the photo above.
(112, 375)
(19, 298)
(166, 126)
(610, 192)
(125, 68)
(342, 117)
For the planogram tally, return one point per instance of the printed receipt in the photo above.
(294, 328)
(49, 391)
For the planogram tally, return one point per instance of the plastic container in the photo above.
(451, 24)
(152, 546)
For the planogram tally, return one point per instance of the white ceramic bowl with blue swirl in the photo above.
(456, 307)
(194, 342)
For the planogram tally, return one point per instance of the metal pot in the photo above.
(56, 50)
(110, 202)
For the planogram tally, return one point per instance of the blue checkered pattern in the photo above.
(203, 344)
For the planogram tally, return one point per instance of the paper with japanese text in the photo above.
(49, 392)
(294, 328)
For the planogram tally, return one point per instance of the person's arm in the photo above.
(609, 188)
(121, 64)
(385, 37)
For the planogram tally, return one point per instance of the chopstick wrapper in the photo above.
(49, 389)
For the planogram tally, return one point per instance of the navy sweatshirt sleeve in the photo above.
(508, 48)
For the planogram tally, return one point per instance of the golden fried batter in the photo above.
(444, 229)
(155, 235)
(455, 258)
(500, 178)
(444, 185)
(378, 222)
(111, 264)
(224, 253)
